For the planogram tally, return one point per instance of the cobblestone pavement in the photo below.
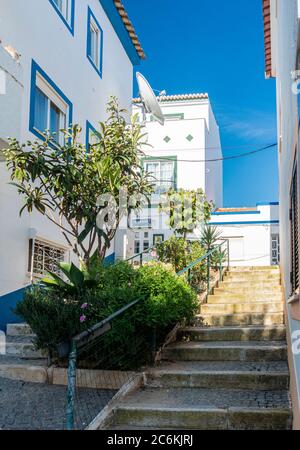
(31, 406)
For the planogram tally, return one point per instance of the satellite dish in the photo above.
(149, 99)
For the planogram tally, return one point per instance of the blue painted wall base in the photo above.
(110, 260)
(7, 304)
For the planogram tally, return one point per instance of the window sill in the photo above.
(99, 71)
(43, 137)
(70, 26)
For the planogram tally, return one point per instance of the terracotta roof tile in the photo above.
(267, 33)
(174, 98)
(129, 27)
(236, 210)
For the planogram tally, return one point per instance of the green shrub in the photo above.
(180, 253)
(52, 316)
(165, 300)
(169, 298)
(173, 251)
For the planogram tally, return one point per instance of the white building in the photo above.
(178, 157)
(60, 61)
(190, 133)
(253, 233)
(282, 47)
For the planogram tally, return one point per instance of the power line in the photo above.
(225, 158)
(220, 147)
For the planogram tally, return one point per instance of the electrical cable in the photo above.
(224, 158)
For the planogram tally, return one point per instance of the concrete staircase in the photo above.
(227, 371)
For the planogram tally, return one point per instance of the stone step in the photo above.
(241, 289)
(267, 276)
(23, 347)
(239, 319)
(237, 333)
(188, 376)
(254, 268)
(27, 370)
(226, 351)
(18, 329)
(225, 297)
(251, 286)
(203, 409)
(258, 307)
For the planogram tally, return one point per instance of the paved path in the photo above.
(32, 406)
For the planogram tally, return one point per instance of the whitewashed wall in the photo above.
(249, 235)
(34, 29)
(285, 35)
(200, 123)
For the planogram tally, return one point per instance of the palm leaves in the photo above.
(77, 279)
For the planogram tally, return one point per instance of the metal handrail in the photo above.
(92, 333)
(207, 256)
(79, 341)
(104, 326)
(198, 261)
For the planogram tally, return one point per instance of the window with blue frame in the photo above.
(92, 136)
(50, 109)
(95, 43)
(66, 11)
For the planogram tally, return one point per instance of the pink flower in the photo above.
(82, 319)
(84, 306)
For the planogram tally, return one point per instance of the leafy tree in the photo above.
(64, 182)
(186, 210)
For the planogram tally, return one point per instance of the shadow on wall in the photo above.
(7, 304)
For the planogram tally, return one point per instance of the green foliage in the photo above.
(186, 210)
(52, 316)
(170, 299)
(173, 251)
(210, 236)
(78, 279)
(219, 257)
(54, 313)
(180, 253)
(64, 182)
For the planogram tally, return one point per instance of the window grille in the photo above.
(44, 257)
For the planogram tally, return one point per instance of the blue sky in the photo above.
(217, 47)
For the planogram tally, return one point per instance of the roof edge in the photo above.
(267, 38)
(130, 28)
(176, 98)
